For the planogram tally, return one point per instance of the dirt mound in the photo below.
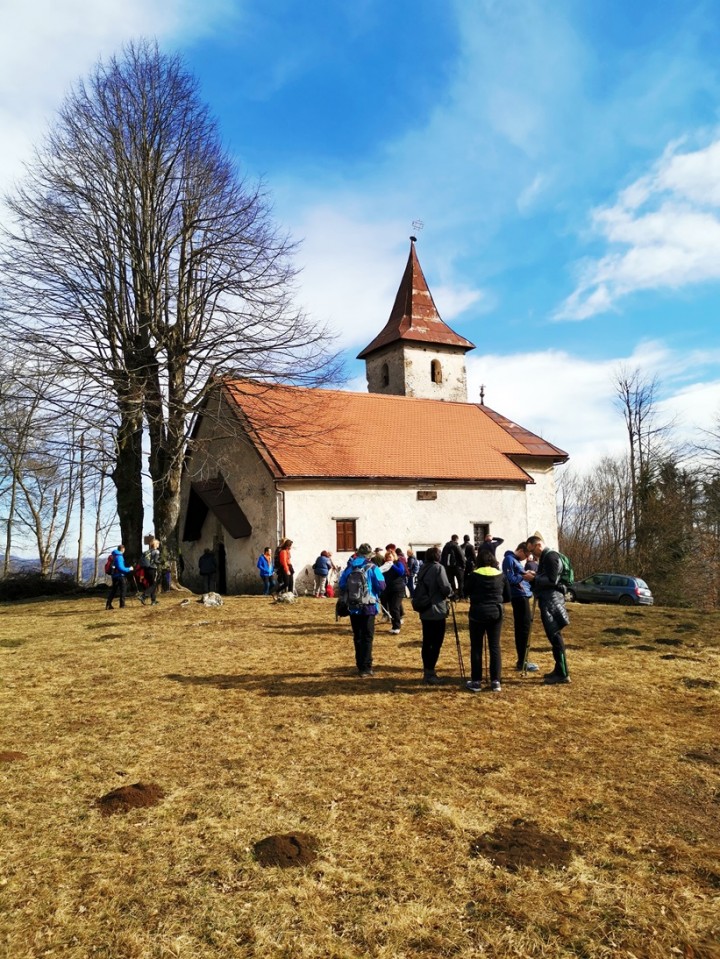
(711, 755)
(130, 797)
(293, 849)
(700, 683)
(622, 631)
(9, 756)
(523, 844)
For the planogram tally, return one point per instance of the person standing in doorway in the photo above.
(207, 565)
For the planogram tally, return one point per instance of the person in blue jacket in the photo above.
(513, 566)
(265, 568)
(322, 568)
(118, 574)
(362, 618)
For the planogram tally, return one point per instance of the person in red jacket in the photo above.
(284, 567)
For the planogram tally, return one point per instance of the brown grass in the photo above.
(251, 722)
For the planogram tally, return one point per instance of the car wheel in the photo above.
(626, 601)
(570, 596)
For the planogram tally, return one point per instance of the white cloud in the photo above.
(569, 400)
(45, 46)
(664, 230)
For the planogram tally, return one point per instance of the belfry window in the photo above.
(436, 372)
(385, 375)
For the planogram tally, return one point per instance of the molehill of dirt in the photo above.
(292, 849)
(130, 797)
(523, 844)
(10, 756)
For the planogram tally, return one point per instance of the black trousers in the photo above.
(393, 602)
(433, 636)
(151, 591)
(522, 620)
(456, 577)
(490, 625)
(118, 588)
(363, 628)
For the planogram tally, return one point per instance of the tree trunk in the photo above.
(127, 477)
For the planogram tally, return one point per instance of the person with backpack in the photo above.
(360, 585)
(453, 559)
(486, 590)
(322, 568)
(430, 602)
(519, 581)
(150, 563)
(549, 588)
(115, 568)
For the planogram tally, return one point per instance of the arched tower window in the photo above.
(385, 375)
(436, 372)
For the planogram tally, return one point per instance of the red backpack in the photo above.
(110, 565)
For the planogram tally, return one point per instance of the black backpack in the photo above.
(421, 599)
(356, 592)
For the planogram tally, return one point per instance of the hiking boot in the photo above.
(109, 607)
(154, 603)
(553, 679)
(529, 668)
(366, 673)
(474, 685)
(395, 632)
(142, 599)
(432, 679)
(495, 686)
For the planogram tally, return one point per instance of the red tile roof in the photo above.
(334, 434)
(414, 315)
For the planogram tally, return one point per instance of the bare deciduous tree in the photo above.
(141, 263)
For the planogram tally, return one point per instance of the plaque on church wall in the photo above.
(427, 494)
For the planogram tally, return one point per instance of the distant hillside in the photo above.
(24, 564)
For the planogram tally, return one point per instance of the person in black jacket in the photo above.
(550, 595)
(486, 589)
(432, 590)
(453, 559)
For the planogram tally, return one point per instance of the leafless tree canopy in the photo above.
(140, 260)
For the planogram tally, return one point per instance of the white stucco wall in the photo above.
(393, 514)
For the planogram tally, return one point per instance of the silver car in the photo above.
(611, 588)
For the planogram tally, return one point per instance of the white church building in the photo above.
(409, 462)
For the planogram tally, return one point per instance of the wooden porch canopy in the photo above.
(214, 496)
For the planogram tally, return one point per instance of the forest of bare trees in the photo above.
(653, 512)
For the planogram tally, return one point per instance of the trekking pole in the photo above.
(457, 641)
(527, 644)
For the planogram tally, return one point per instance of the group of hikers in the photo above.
(377, 581)
(374, 582)
(152, 570)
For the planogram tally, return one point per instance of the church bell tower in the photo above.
(416, 353)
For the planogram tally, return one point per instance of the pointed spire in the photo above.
(414, 316)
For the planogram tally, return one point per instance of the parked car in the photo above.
(611, 588)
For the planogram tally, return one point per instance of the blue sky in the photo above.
(563, 157)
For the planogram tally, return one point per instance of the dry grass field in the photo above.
(561, 821)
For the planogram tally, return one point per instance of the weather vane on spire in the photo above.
(417, 225)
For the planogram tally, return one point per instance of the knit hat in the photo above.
(364, 549)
